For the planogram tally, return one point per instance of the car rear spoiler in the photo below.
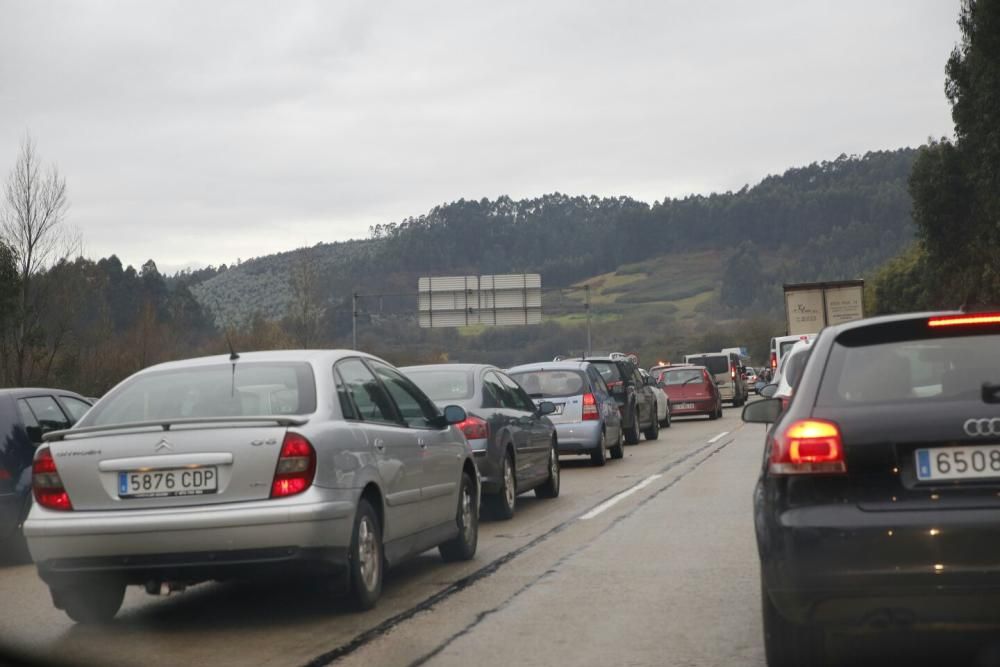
(166, 424)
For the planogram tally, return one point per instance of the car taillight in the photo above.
(296, 467)
(590, 411)
(4, 474)
(46, 483)
(808, 446)
(732, 372)
(474, 428)
(774, 361)
(785, 402)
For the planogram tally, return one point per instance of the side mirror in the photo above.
(762, 412)
(650, 382)
(454, 414)
(768, 390)
(546, 408)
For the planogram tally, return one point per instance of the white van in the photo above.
(782, 345)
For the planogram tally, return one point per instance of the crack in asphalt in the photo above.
(492, 567)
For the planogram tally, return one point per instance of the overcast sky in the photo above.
(199, 132)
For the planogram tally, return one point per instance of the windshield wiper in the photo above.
(991, 392)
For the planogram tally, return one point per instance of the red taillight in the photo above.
(808, 446)
(774, 361)
(964, 320)
(46, 483)
(785, 402)
(590, 411)
(4, 475)
(474, 428)
(732, 372)
(296, 467)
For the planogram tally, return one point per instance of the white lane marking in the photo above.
(718, 437)
(613, 500)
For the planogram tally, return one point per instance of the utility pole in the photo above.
(586, 307)
(354, 321)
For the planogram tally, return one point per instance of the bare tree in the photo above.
(31, 213)
(306, 310)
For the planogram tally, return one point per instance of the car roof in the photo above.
(551, 365)
(679, 367)
(18, 392)
(316, 357)
(450, 367)
(709, 354)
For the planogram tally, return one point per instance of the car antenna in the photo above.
(233, 355)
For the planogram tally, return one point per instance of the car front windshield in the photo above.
(224, 390)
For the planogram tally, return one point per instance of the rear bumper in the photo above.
(839, 565)
(580, 437)
(700, 407)
(61, 539)
(194, 567)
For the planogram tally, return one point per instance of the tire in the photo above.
(599, 456)
(550, 489)
(618, 450)
(463, 546)
(93, 603)
(788, 644)
(716, 412)
(653, 432)
(367, 558)
(666, 423)
(632, 432)
(502, 504)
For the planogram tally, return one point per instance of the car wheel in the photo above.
(666, 422)
(463, 545)
(632, 432)
(367, 564)
(599, 456)
(550, 489)
(653, 432)
(90, 603)
(716, 412)
(502, 503)
(788, 644)
(618, 450)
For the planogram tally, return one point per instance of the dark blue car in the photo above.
(26, 414)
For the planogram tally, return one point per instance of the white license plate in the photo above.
(941, 463)
(163, 483)
(559, 409)
(684, 406)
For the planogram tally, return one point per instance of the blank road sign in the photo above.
(459, 301)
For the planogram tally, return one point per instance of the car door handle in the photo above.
(422, 443)
(379, 444)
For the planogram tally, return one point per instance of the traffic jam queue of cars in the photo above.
(332, 463)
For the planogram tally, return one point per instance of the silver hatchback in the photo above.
(326, 462)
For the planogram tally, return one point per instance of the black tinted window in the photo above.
(47, 413)
(932, 370)
(416, 409)
(608, 370)
(716, 364)
(373, 404)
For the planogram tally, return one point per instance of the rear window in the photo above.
(786, 346)
(444, 384)
(716, 364)
(680, 377)
(608, 370)
(225, 390)
(793, 365)
(930, 370)
(552, 383)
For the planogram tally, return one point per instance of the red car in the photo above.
(691, 391)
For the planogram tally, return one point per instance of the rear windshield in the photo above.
(225, 390)
(444, 384)
(932, 370)
(689, 376)
(716, 364)
(608, 370)
(786, 346)
(792, 366)
(552, 383)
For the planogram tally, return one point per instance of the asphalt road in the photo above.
(647, 561)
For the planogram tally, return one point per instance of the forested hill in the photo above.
(833, 219)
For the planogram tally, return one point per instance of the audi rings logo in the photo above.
(982, 427)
